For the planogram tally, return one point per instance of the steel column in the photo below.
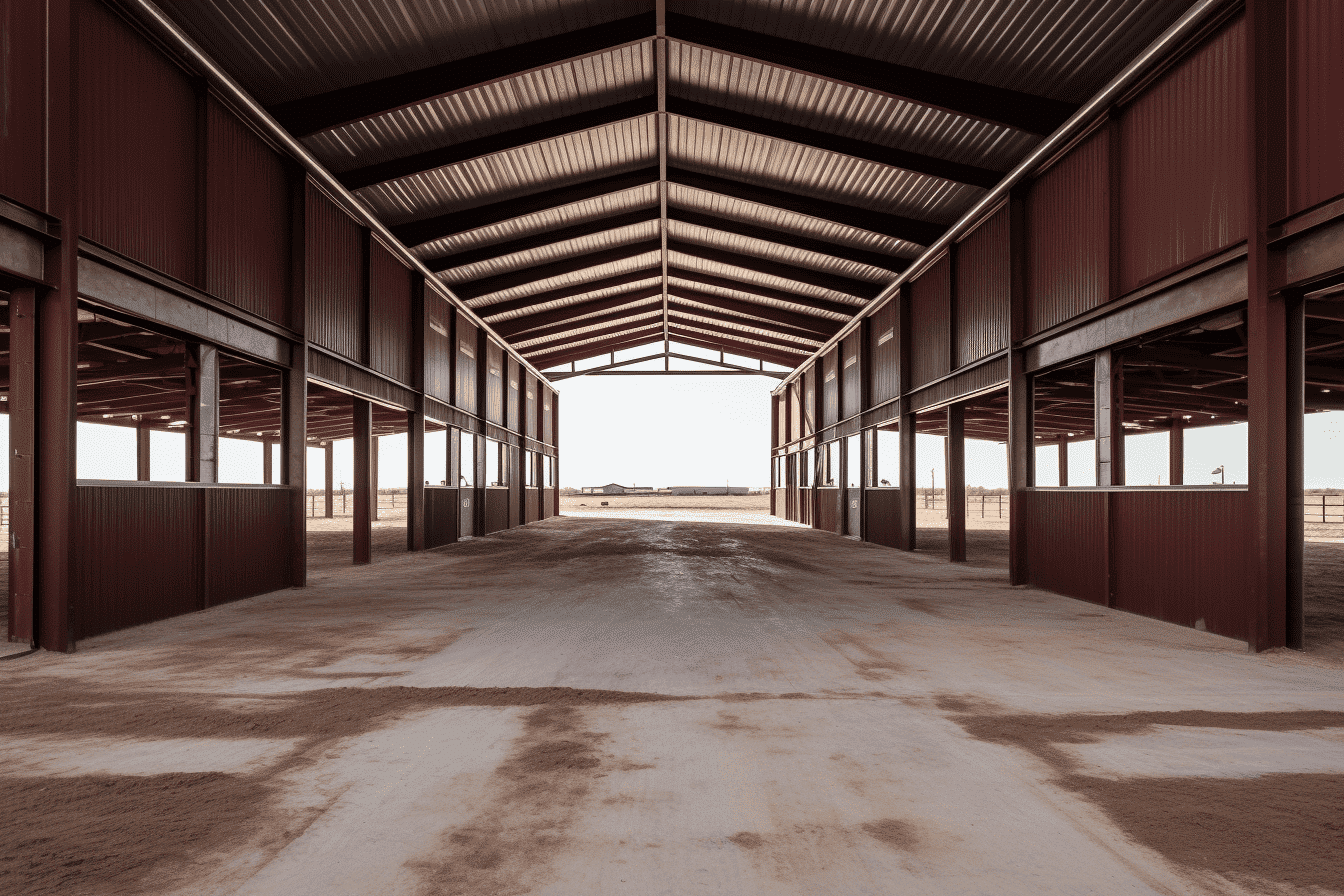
(955, 483)
(905, 537)
(1274, 385)
(202, 413)
(363, 475)
(373, 478)
(1108, 417)
(1021, 438)
(294, 461)
(142, 471)
(267, 467)
(330, 476)
(1176, 452)
(22, 450)
(1063, 448)
(415, 480)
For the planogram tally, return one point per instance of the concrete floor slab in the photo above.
(632, 706)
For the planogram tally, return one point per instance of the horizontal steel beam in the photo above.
(474, 289)
(787, 238)
(600, 347)
(833, 282)
(536, 302)
(764, 292)
(540, 240)
(567, 325)
(816, 326)
(678, 308)
(517, 326)
(780, 341)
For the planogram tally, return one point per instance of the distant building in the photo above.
(614, 488)
(710, 490)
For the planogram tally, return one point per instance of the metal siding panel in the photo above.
(547, 416)
(885, 370)
(1068, 236)
(828, 510)
(497, 502)
(1180, 556)
(494, 383)
(882, 508)
(389, 315)
(334, 275)
(983, 289)
(1066, 538)
(247, 205)
(530, 398)
(466, 365)
(515, 387)
(931, 324)
(439, 347)
(809, 400)
(851, 374)
(547, 502)
(830, 387)
(139, 556)
(1183, 171)
(137, 134)
(1315, 98)
(441, 515)
(248, 534)
(533, 505)
(22, 122)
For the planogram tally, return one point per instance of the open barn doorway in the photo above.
(1323, 474)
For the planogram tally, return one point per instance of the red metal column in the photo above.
(202, 413)
(373, 478)
(905, 537)
(330, 475)
(555, 440)
(1021, 439)
(1176, 452)
(363, 475)
(294, 462)
(415, 479)
(1063, 460)
(142, 445)
(956, 483)
(1273, 396)
(58, 343)
(267, 465)
(22, 447)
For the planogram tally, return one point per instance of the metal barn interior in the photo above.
(1036, 222)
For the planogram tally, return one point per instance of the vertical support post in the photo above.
(1021, 437)
(415, 479)
(955, 482)
(1063, 460)
(202, 413)
(1176, 452)
(330, 484)
(57, 340)
(22, 448)
(142, 432)
(294, 432)
(1274, 389)
(267, 463)
(905, 538)
(555, 442)
(1108, 417)
(372, 477)
(362, 521)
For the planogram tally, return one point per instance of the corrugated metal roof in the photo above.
(718, 269)
(624, 146)
(495, 107)
(610, 269)
(285, 49)
(592, 296)
(1063, 49)
(754, 88)
(733, 242)
(554, 252)
(636, 319)
(677, 285)
(746, 329)
(579, 340)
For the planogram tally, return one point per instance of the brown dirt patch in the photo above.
(869, 662)
(1282, 828)
(747, 840)
(894, 833)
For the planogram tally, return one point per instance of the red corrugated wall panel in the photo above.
(883, 352)
(882, 508)
(1315, 98)
(496, 510)
(982, 274)
(931, 324)
(1181, 556)
(139, 556)
(1183, 162)
(465, 372)
(1067, 542)
(533, 505)
(828, 510)
(1068, 236)
(438, 347)
(247, 261)
(851, 374)
(494, 383)
(830, 387)
(441, 516)
(137, 147)
(390, 284)
(248, 534)
(23, 80)
(547, 415)
(515, 386)
(337, 316)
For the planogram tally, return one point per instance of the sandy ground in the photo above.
(604, 706)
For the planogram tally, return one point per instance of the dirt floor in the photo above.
(603, 706)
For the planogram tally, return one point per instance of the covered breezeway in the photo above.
(603, 706)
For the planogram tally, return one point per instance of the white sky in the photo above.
(700, 430)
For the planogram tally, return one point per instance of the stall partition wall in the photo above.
(158, 203)
(1147, 219)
